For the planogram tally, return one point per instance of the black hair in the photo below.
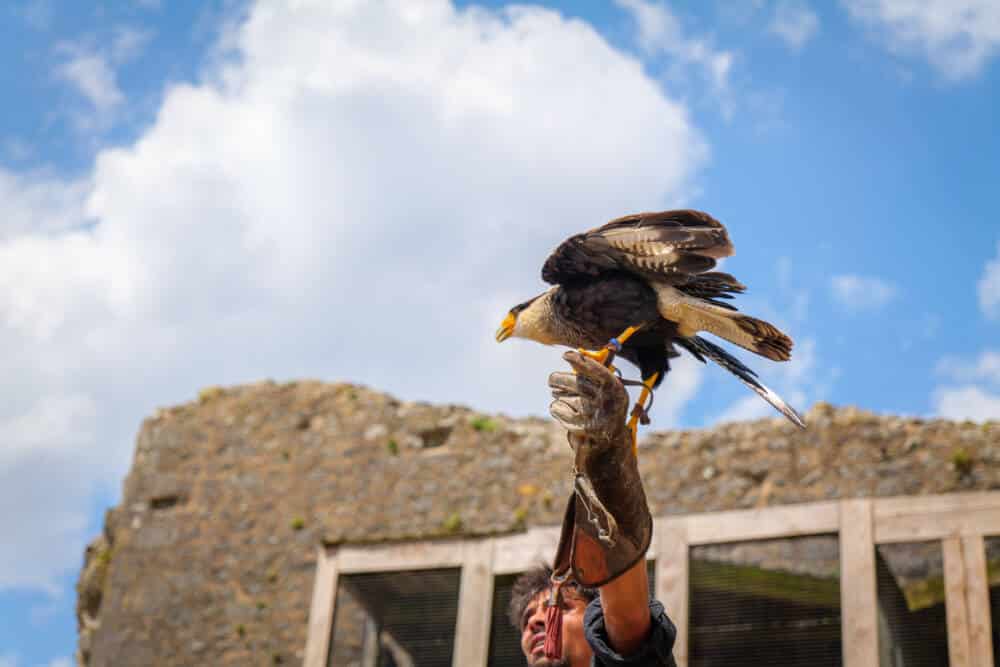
(533, 582)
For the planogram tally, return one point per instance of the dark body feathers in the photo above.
(596, 311)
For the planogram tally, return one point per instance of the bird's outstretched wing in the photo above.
(674, 246)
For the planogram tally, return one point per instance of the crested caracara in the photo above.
(645, 283)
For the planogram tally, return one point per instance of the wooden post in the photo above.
(475, 597)
(320, 628)
(671, 548)
(977, 598)
(858, 593)
(955, 605)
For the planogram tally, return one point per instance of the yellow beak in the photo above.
(506, 329)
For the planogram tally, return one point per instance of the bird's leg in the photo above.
(606, 354)
(639, 411)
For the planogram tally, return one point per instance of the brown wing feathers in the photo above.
(671, 245)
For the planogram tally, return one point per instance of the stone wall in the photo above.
(210, 557)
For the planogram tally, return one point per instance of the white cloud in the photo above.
(967, 402)
(17, 149)
(358, 192)
(91, 68)
(128, 43)
(857, 293)
(974, 389)
(989, 288)
(660, 33)
(655, 23)
(746, 408)
(52, 422)
(984, 369)
(974, 392)
(957, 37)
(678, 389)
(60, 662)
(8, 660)
(794, 23)
(37, 203)
(93, 78)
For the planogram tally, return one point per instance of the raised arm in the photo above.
(609, 521)
(626, 609)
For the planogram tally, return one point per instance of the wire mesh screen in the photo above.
(992, 545)
(505, 641)
(395, 619)
(766, 602)
(505, 647)
(912, 625)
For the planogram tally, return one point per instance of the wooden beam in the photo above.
(858, 593)
(937, 525)
(320, 627)
(763, 523)
(475, 598)
(955, 605)
(924, 505)
(977, 599)
(671, 555)
(513, 554)
(399, 556)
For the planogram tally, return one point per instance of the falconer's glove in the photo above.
(607, 527)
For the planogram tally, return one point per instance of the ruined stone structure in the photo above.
(210, 558)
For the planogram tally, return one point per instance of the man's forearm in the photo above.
(625, 602)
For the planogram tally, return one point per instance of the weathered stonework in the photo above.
(210, 557)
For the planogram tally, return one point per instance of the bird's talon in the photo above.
(600, 356)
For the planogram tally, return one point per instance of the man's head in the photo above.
(527, 615)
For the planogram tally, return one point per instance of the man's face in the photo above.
(575, 649)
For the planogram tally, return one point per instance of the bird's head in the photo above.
(528, 320)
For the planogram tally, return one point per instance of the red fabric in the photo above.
(553, 631)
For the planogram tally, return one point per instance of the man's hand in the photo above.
(591, 401)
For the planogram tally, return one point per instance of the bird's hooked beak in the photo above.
(506, 329)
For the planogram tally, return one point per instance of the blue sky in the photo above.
(224, 193)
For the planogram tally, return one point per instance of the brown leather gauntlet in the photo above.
(607, 527)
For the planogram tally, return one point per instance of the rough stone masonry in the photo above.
(209, 559)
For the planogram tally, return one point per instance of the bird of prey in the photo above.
(641, 286)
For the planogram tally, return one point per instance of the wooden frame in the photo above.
(858, 592)
(959, 520)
